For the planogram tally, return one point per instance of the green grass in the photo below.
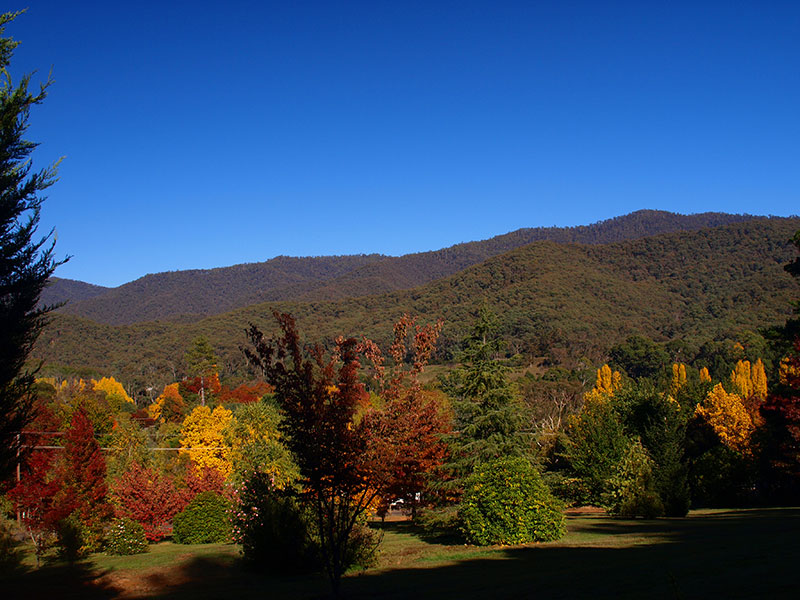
(723, 553)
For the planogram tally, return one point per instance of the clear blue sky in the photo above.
(202, 134)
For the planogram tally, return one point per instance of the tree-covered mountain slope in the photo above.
(577, 299)
(191, 295)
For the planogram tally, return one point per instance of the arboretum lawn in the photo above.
(711, 553)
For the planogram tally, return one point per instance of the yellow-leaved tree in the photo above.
(113, 390)
(705, 375)
(203, 439)
(728, 417)
(607, 383)
(678, 378)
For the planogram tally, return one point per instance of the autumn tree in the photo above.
(728, 417)
(169, 407)
(409, 428)
(34, 497)
(82, 477)
(203, 439)
(149, 497)
(113, 390)
(256, 442)
(321, 396)
(26, 263)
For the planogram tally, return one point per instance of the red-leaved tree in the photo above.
(321, 395)
(34, 497)
(407, 433)
(82, 473)
(149, 497)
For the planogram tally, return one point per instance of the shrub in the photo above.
(204, 521)
(71, 539)
(629, 492)
(272, 527)
(126, 536)
(11, 553)
(506, 502)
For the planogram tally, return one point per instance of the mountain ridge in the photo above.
(191, 295)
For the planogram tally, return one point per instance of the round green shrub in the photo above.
(506, 502)
(204, 521)
(126, 536)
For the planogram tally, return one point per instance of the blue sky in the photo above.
(201, 134)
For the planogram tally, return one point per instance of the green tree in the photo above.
(26, 263)
(489, 422)
(639, 357)
(202, 363)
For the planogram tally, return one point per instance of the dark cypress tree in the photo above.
(26, 263)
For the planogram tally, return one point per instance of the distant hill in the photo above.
(553, 298)
(60, 290)
(191, 295)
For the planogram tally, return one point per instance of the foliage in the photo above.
(82, 481)
(169, 406)
(639, 357)
(26, 263)
(128, 444)
(256, 442)
(34, 496)
(321, 398)
(202, 364)
(148, 497)
(203, 438)
(629, 491)
(488, 420)
(204, 521)
(113, 390)
(407, 431)
(506, 502)
(125, 536)
(728, 416)
(657, 422)
(273, 527)
(607, 383)
(595, 443)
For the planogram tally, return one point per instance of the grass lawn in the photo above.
(710, 554)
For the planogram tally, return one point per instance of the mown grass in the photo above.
(731, 554)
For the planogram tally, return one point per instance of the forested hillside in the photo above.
(191, 295)
(60, 290)
(560, 300)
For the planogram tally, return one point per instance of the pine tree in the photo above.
(489, 422)
(26, 263)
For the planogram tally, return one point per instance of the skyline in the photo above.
(196, 138)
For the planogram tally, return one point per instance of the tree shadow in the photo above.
(78, 580)
(734, 554)
(741, 554)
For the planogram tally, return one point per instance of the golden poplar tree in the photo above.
(203, 438)
(705, 375)
(678, 378)
(742, 379)
(607, 383)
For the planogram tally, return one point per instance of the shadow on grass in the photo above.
(736, 554)
(411, 528)
(78, 580)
